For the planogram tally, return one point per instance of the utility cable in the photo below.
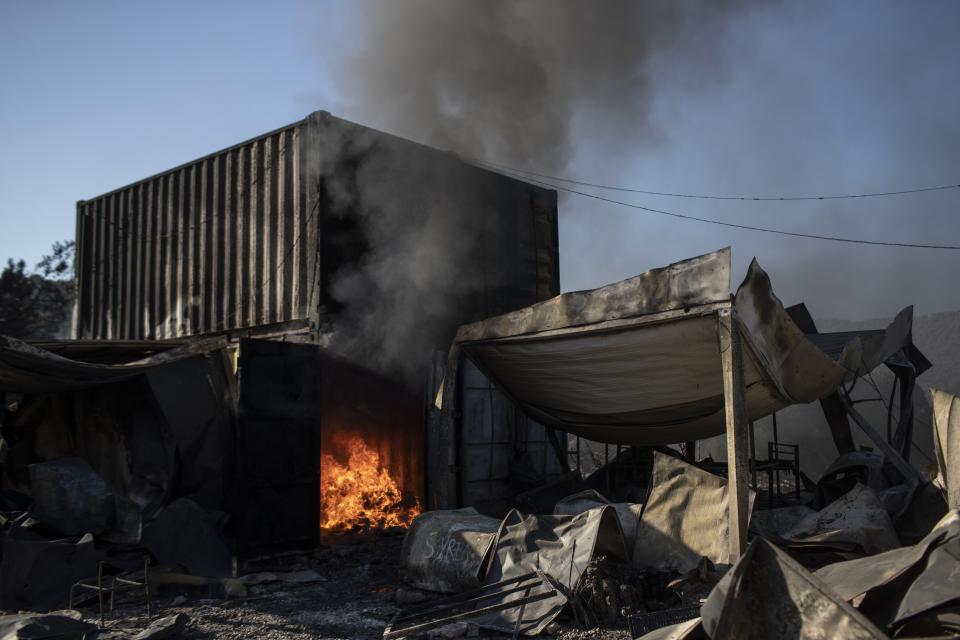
(733, 225)
(845, 196)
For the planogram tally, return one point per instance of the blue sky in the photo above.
(95, 95)
(817, 97)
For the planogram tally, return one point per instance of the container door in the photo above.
(278, 447)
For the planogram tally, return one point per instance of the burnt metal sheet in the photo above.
(936, 586)
(684, 519)
(800, 371)
(448, 551)
(855, 521)
(946, 431)
(854, 578)
(561, 547)
(627, 512)
(910, 586)
(767, 594)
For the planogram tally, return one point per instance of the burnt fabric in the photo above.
(36, 574)
(767, 594)
(685, 518)
(448, 551)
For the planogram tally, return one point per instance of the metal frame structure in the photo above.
(109, 585)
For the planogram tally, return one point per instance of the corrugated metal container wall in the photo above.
(234, 241)
(205, 247)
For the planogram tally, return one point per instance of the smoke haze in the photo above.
(744, 98)
(494, 81)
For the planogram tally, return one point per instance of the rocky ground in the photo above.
(355, 597)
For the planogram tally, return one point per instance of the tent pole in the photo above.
(731, 360)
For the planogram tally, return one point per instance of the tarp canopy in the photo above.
(638, 362)
(28, 369)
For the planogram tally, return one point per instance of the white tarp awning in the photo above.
(638, 362)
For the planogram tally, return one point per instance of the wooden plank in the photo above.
(731, 359)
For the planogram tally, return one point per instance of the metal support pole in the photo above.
(776, 458)
(731, 359)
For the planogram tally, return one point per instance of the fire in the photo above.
(361, 495)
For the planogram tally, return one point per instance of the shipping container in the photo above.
(246, 241)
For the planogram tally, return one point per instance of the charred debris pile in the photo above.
(265, 368)
(124, 480)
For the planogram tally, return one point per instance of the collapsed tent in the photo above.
(639, 362)
(134, 457)
(152, 429)
(455, 551)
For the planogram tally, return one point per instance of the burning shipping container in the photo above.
(257, 240)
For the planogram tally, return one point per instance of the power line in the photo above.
(734, 225)
(669, 194)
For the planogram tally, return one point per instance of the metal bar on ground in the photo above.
(446, 608)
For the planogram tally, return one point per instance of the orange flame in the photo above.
(361, 494)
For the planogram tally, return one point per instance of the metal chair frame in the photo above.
(109, 585)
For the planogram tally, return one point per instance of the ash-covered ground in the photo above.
(356, 597)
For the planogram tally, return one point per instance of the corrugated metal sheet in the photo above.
(233, 241)
(206, 247)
